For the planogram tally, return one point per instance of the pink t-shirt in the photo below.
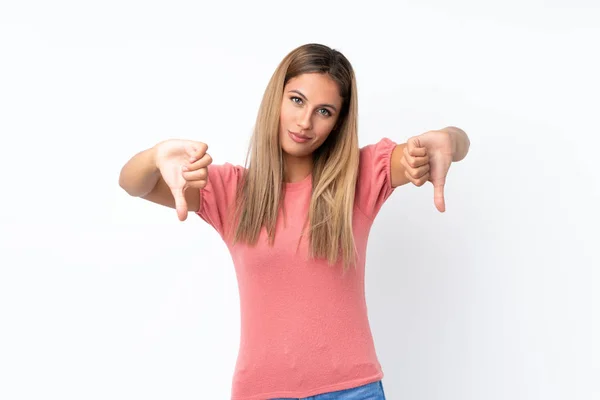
(304, 324)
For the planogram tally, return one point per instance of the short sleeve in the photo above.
(218, 196)
(374, 182)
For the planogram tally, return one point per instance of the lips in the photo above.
(299, 135)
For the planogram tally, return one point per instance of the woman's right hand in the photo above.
(182, 164)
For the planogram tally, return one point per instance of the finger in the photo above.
(418, 151)
(191, 149)
(180, 203)
(417, 168)
(197, 175)
(203, 162)
(415, 148)
(438, 196)
(196, 184)
(415, 161)
(418, 173)
(196, 150)
(419, 161)
(408, 159)
(417, 182)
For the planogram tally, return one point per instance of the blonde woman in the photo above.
(296, 220)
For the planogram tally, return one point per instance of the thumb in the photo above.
(180, 203)
(438, 196)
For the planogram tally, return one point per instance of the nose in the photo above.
(305, 122)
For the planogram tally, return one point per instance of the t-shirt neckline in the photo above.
(304, 183)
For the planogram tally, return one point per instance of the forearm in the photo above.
(140, 174)
(460, 142)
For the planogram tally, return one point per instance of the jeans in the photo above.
(370, 391)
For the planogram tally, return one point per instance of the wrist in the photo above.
(152, 155)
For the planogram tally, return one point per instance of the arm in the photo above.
(141, 177)
(140, 174)
(399, 178)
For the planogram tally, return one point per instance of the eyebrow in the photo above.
(304, 97)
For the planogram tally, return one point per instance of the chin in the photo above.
(294, 149)
(296, 152)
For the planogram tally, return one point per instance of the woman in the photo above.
(296, 220)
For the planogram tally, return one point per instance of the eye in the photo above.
(299, 102)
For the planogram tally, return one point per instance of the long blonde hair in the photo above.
(335, 162)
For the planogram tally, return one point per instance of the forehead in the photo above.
(317, 87)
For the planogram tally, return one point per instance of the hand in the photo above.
(182, 164)
(427, 157)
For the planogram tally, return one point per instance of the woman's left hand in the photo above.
(427, 157)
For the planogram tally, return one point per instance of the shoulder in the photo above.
(383, 146)
(376, 155)
(225, 173)
(373, 184)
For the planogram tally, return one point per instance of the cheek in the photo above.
(283, 117)
(323, 136)
(286, 111)
(324, 127)
(325, 130)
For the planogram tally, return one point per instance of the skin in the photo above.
(162, 173)
(310, 106)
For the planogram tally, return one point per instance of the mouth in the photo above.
(298, 137)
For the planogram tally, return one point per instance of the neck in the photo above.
(296, 168)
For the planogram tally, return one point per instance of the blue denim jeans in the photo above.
(370, 391)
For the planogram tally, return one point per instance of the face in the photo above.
(309, 111)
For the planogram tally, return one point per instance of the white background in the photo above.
(106, 296)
